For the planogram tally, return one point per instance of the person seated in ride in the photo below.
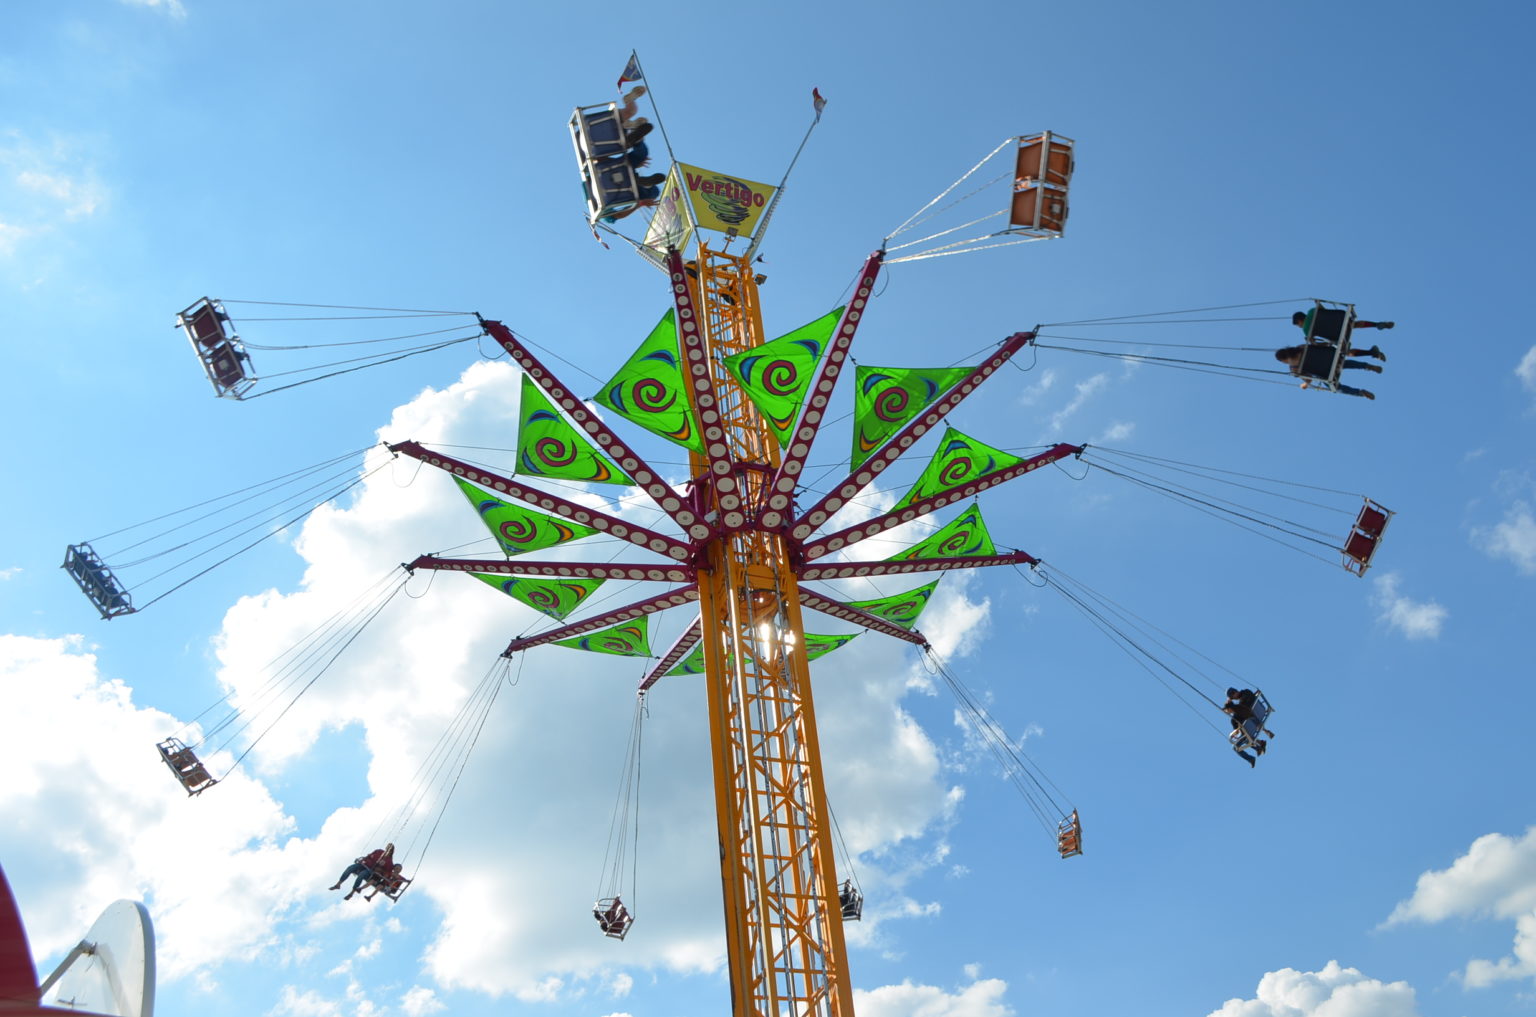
(379, 860)
(1303, 321)
(389, 881)
(1239, 706)
(1314, 361)
(611, 920)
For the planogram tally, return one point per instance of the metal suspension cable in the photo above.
(361, 367)
(624, 822)
(339, 307)
(286, 662)
(1192, 496)
(281, 505)
(353, 342)
(1017, 767)
(1132, 318)
(961, 248)
(914, 218)
(1233, 473)
(1166, 346)
(1100, 609)
(253, 487)
(1228, 370)
(351, 637)
(266, 536)
(499, 670)
(945, 233)
(1233, 518)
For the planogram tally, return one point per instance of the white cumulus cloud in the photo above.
(1526, 369)
(1513, 538)
(1334, 991)
(92, 816)
(1416, 619)
(978, 999)
(1496, 878)
(421, 1001)
(1082, 392)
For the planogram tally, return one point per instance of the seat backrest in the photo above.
(1371, 521)
(1360, 547)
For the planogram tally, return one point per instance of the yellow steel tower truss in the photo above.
(783, 926)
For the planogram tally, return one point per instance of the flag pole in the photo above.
(757, 238)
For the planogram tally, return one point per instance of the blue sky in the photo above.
(1379, 861)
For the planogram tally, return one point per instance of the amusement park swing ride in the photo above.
(736, 545)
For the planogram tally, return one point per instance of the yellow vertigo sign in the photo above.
(719, 202)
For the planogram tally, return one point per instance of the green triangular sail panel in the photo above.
(901, 609)
(554, 597)
(820, 646)
(775, 375)
(959, 460)
(815, 646)
(692, 664)
(519, 529)
(886, 398)
(964, 537)
(631, 639)
(649, 389)
(549, 446)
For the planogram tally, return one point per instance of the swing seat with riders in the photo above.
(612, 917)
(1249, 733)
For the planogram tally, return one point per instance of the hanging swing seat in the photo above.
(184, 763)
(390, 884)
(607, 174)
(1328, 328)
(218, 349)
(1360, 546)
(96, 581)
(612, 917)
(850, 900)
(1247, 734)
(1069, 836)
(1042, 173)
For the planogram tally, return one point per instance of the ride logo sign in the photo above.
(719, 202)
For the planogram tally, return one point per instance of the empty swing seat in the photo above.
(218, 349)
(189, 770)
(96, 581)
(612, 917)
(1042, 174)
(1361, 544)
(1069, 836)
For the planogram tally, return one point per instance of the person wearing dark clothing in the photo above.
(1240, 707)
(1303, 321)
(1315, 361)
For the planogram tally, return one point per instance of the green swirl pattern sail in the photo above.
(776, 374)
(554, 597)
(631, 639)
(549, 446)
(519, 529)
(820, 646)
(902, 608)
(649, 389)
(964, 537)
(692, 664)
(815, 646)
(886, 398)
(959, 460)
